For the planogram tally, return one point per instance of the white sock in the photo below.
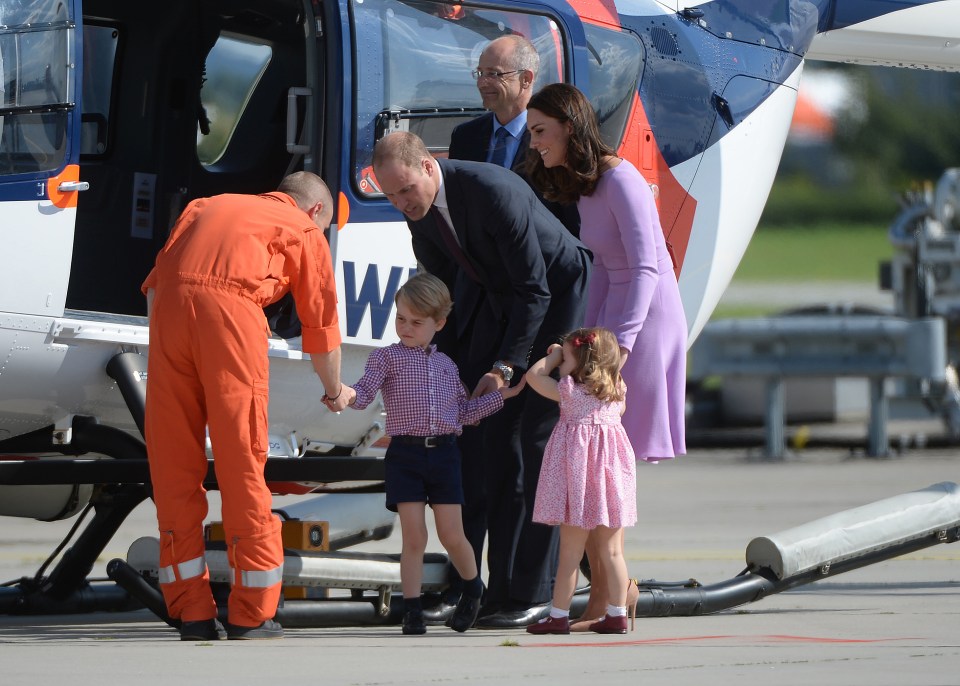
(615, 611)
(557, 613)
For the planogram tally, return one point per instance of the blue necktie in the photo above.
(499, 156)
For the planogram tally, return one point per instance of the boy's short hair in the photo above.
(426, 295)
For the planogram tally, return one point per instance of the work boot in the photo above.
(267, 629)
(204, 630)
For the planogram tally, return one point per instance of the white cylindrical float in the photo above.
(857, 532)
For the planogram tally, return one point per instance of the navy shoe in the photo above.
(439, 613)
(465, 614)
(204, 630)
(266, 630)
(413, 623)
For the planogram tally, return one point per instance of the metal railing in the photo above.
(875, 347)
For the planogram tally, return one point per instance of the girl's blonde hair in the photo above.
(598, 362)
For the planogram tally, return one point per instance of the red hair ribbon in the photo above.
(580, 341)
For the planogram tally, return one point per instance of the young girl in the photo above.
(588, 478)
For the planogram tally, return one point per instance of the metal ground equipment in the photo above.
(924, 275)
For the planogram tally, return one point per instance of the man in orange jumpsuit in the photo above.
(226, 258)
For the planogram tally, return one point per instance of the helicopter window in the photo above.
(615, 60)
(413, 68)
(233, 70)
(99, 59)
(36, 95)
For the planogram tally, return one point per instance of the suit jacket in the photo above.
(471, 141)
(525, 260)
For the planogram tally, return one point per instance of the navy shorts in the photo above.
(417, 474)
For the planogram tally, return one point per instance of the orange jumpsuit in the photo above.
(227, 257)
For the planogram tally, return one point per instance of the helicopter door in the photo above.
(39, 176)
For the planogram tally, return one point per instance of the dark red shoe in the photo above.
(550, 625)
(610, 625)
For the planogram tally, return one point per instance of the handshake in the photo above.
(345, 397)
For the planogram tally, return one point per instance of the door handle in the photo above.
(70, 186)
(292, 95)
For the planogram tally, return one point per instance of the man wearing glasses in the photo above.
(505, 75)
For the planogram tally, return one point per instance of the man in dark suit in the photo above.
(505, 74)
(519, 281)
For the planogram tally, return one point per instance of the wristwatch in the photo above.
(506, 371)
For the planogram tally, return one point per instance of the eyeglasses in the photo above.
(490, 74)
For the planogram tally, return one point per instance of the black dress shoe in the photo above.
(440, 613)
(413, 623)
(513, 618)
(466, 613)
(204, 630)
(487, 609)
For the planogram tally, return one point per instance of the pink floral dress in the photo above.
(588, 477)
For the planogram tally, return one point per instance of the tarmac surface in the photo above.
(894, 622)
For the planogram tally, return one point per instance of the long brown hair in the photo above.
(598, 362)
(585, 149)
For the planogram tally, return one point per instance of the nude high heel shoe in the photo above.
(633, 599)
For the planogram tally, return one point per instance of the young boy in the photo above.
(427, 406)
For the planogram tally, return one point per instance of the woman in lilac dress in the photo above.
(633, 288)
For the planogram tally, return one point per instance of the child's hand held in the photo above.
(513, 391)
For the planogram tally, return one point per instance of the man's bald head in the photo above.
(516, 58)
(311, 195)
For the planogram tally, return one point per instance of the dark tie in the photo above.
(453, 246)
(499, 156)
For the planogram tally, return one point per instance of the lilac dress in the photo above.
(634, 293)
(589, 475)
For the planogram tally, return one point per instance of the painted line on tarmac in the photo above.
(704, 554)
(767, 638)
